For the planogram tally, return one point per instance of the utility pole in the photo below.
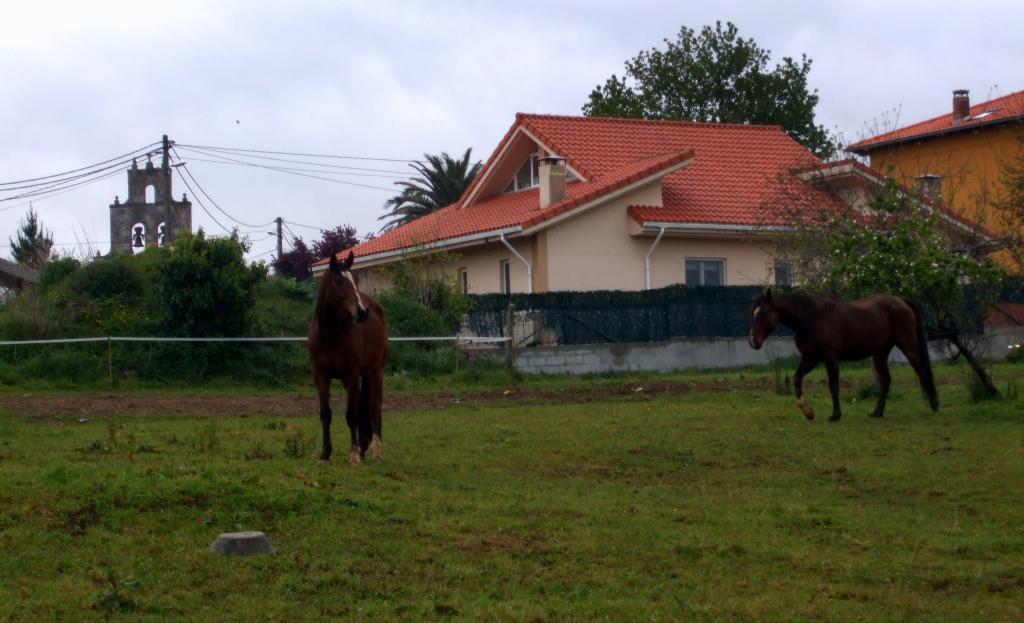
(279, 245)
(166, 167)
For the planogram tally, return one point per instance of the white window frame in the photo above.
(720, 260)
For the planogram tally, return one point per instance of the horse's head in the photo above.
(340, 289)
(765, 318)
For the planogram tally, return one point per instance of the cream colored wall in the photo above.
(483, 266)
(594, 251)
(748, 261)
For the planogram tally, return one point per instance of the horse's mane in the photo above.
(321, 300)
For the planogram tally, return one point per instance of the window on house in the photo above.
(701, 272)
(464, 280)
(506, 277)
(783, 273)
(528, 175)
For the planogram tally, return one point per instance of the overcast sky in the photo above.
(82, 82)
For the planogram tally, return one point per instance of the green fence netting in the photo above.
(617, 316)
(614, 316)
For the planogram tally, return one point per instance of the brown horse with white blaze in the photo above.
(829, 331)
(348, 340)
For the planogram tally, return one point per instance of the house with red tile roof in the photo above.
(582, 203)
(955, 157)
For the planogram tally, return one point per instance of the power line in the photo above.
(56, 189)
(215, 204)
(292, 153)
(45, 196)
(199, 200)
(391, 176)
(128, 155)
(282, 170)
(306, 226)
(306, 162)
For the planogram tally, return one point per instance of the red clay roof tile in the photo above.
(733, 175)
(1001, 110)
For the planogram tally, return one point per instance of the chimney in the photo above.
(929, 186)
(961, 105)
(551, 171)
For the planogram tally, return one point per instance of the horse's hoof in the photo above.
(805, 408)
(835, 417)
(376, 450)
(875, 414)
(324, 462)
(354, 459)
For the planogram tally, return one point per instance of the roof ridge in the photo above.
(881, 138)
(717, 124)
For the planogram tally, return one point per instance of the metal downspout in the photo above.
(529, 269)
(647, 258)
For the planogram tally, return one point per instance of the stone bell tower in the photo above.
(150, 217)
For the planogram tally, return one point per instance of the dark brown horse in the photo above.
(830, 331)
(348, 340)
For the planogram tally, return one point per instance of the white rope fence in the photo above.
(80, 340)
(109, 340)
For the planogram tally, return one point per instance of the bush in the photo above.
(206, 289)
(56, 271)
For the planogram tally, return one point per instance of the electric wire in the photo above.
(57, 189)
(305, 162)
(317, 177)
(394, 176)
(292, 153)
(215, 204)
(129, 155)
(299, 224)
(60, 191)
(200, 202)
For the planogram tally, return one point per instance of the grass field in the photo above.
(708, 499)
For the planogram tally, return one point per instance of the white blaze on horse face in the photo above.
(757, 310)
(352, 280)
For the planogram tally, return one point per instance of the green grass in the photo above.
(703, 506)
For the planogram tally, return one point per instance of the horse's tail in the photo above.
(365, 427)
(925, 371)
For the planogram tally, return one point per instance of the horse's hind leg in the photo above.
(352, 418)
(323, 389)
(881, 362)
(374, 387)
(832, 367)
(806, 365)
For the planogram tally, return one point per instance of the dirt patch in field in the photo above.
(88, 405)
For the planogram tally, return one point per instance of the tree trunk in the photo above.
(979, 370)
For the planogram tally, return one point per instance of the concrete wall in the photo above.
(705, 354)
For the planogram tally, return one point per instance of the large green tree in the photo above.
(715, 75)
(33, 244)
(440, 182)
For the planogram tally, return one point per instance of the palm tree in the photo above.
(441, 181)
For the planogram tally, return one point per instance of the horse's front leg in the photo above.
(323, 389)
(832, 367)
(352, 418)
(376, 398)
(806, 364)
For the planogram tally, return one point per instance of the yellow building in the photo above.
(956, 157)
